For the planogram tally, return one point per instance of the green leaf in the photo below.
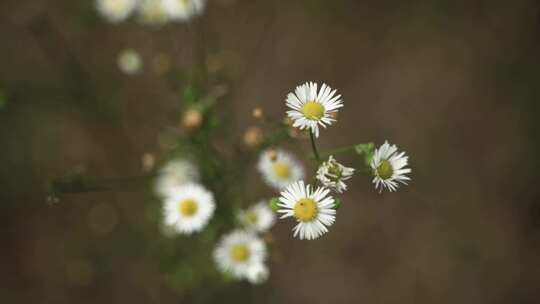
(190, 94)
(366, 150)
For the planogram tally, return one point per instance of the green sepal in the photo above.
(337, 203)
(274, 204)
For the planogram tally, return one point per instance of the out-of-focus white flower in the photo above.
(279, 168)
(183, 10)
(188, 208)
(389, 167)
(310, 108)
(152, 12)
(313, 210)
(174, 174)
(333, 175)
(259, 217)
(116, 10)
(241, 254)
(129, 61)
(258, 274)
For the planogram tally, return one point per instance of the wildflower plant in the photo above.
(198, 191)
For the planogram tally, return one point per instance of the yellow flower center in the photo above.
(306, 210)
(313, 110)
(385, 170)
(240, 253)
(281, 169)
(251, 217)
(336, 171)
(188, 207)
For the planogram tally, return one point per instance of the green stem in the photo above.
(314, 147)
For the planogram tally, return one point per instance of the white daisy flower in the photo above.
(279, 168)
(183, 10)
(240, 254)
(311, 108)
(313, 210)
(116, 10)
(389, 167)
(129, 61)
(152, 12)
(258, 274)
(332, 175)
(188, 208)
(259, 217)
(174, 174)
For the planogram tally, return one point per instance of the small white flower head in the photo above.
(389, 167)
(258, 218)
(279, 168)
(116, 10)
(175, 174)
(258, 274)
(183, 10)
(333, 175)
(240, 254)
(152, 12)
(188, 208)
(129, 61)
(312, 108)
(313, 210)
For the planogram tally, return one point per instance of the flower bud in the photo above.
(192, 119)
(253, 137)
(258, 113)
(148, 162)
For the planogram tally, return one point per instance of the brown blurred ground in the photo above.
(454, 83)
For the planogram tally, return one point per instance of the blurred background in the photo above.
(453, 83)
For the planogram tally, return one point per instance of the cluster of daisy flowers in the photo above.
(188, 207)
(242, 253)
(151, 12)
(314, 207)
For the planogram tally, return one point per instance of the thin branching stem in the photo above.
(314, 147)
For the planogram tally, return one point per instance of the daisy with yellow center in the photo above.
(311, 108)
(279, 168)
(389, 167)
(241, 254)
(116, 10)
(188, 208)
(313, 210)
(259, 217)
(183, 10)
